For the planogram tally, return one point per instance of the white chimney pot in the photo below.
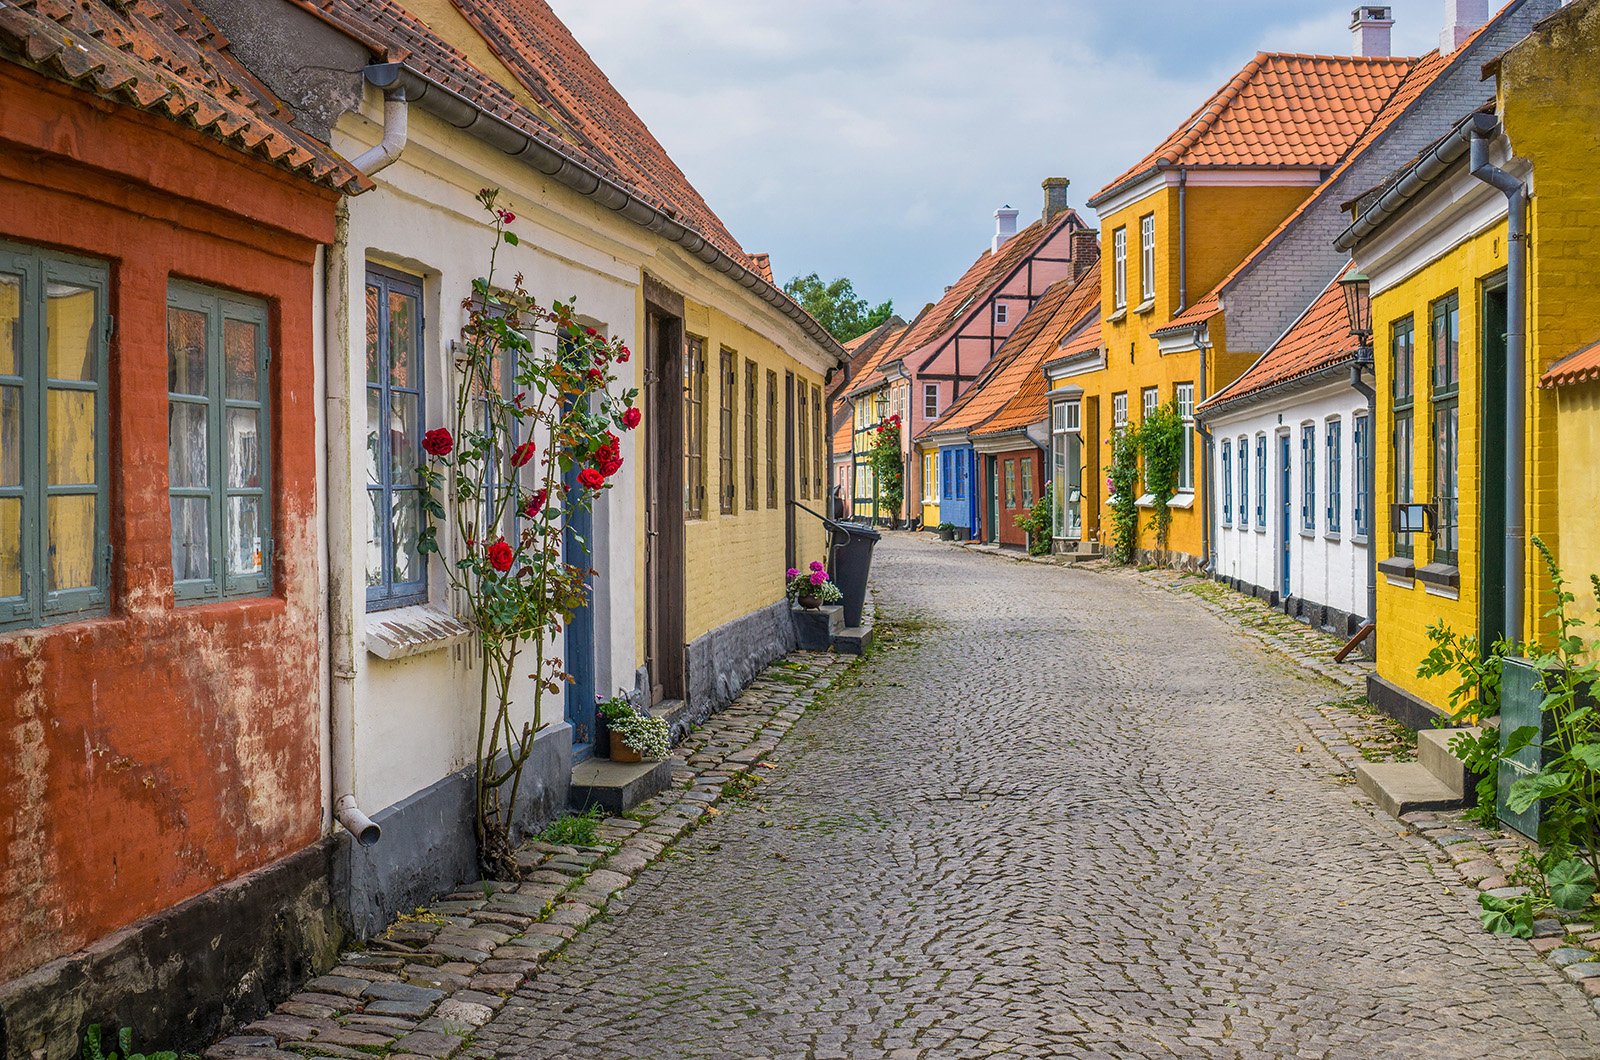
(1370, 24)
(1005, 226)
(1461, 20)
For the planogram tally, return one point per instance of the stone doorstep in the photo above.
(1433, 752)
(1404, 787)
(618, 787)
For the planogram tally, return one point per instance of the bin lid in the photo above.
(860, 530)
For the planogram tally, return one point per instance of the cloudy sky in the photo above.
(874, 139)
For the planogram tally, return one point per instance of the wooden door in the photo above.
(664, 553)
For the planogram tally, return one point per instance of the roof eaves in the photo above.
(1418, 175)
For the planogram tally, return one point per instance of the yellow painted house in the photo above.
(1174, 225)
(1488, 418)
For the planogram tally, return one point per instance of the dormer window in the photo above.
(1001, 312)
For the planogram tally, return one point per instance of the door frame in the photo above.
(1491, 461)
(663, 492)
(789, 537)
(1285, 511)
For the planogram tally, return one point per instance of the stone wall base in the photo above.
(1411, 711)
(1340, 623)
(184, 975)
(722, 662)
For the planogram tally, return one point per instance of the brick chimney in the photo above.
(1461, 19)
(1005, 226)
(1055, 197)
(1084, 251)
(1370, 24)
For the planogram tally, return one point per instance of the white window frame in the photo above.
(1183, 394)
(1119, 410)
(1147, 257)
(1119, 268)
(1244, 481)
(930, 401)
(1002, 312)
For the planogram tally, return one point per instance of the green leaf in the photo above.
(1506, 917)
(1572, 883)
(511, 238)
(1588, 754)
(1519, 739)
(1529, 790)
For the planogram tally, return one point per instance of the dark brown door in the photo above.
(791, 560)
(663, 553)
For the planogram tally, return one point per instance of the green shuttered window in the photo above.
(54, 521)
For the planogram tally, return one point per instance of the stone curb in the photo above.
(424, 987)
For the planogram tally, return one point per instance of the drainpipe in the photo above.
(1207, 537)
(341, 522)
(1516, 193)
(1183, 241)
(395, 113)
(1364, 362)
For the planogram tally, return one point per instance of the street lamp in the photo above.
(1358, 308)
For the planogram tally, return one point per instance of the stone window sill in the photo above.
(1119, 316)
(1397, 567)
(416, 630)
(1181, 500)
(1442, 575)
(1146, 500)
(1334, 536)
(1309, 535)
(1145, 306)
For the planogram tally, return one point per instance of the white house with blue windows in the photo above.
(1291, 439)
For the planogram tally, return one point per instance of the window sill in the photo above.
(1261, 529)
(418, 629)
(1181, 500)
(1145, 306)
(1397, 567)
(1333, 536)
(1442, 575)
(1359, 539)
(1309, 535)
(1147, 500)
(1118, 316)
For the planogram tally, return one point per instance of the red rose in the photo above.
(500, 556)
(631, 418)
(535, 504)
(438, 441)
(591, 478)
(523, 454)
(596, 377)
(591, 332)
(623, 356)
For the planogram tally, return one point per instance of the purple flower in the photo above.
(815, 565)
(792, 574)
(818, 578)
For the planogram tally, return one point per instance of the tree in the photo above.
(836, 306)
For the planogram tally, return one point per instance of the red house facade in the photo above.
(160, 645)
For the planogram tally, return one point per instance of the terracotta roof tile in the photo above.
(163, 57)
(1580, 367)
(763, 266)
(1319, 339)
(1079, 318)
(1280, 110)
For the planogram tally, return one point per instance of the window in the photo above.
(1358, 432)
(750, 396)
(1119, 410)
(961, 474)
(1445, 342)
(694, 430)
(1184, 392)
(930, 401)
(1261, 482)
(1244, 482)
(54, 522)
(1001, 311)
(726, 487)
(802, 442)
(816, 443)
(1332, 440)
(217, 459)
(1026, 472)
(947, 463)
(396, 572)
(1011, 484)
(1147, 257)
(1308, 477)
(1227, 481)
(1402, 345)
(1119, 269)
(772, 439)
(1065, 475)
(930, 478)
(1151, 397)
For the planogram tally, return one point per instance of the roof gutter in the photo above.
(1424, 171)
(457, 110)
(1327, 373)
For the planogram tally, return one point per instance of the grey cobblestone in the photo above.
(1058, 815)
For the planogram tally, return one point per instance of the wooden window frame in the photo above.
(388, 593)
(1227, 482)
(1444, 394)
(1332, 447)
(1025, 480)
(1308, 478)
(1147, 257)
(817, 439)
(772, 439)
(1242, 455)
(1361, 439)
(694, 428)
(1011, 483)
(930, 401)
(1402, 420)
(219, 308)
(1119, 268)
(728, 380)
(802, 431)
(752, 394)
(1183, 395)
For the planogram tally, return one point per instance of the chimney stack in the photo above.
(1461, 19)
(1085, 251)
(1055, 197)
(1370, 25)
(1005, 226)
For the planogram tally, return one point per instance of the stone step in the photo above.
(1404, 787)
(1433, 753)
(617, 787)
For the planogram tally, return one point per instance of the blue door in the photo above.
(1284, 515)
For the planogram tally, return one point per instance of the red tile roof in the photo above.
(763, 266)
(1078, 317)
(1319, 339)
(162, 57)
(1580, 367)
(863, 375)
(1281, 110)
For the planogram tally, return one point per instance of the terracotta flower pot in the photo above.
(810, 603)
(620, 751)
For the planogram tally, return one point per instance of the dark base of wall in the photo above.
(1151, 557)
(1401, 705)
(722, 662)
(429, 843)
(1339, 623)
(183, 976)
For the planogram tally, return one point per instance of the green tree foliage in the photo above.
(836, 306)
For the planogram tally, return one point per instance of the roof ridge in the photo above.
(1219, 102)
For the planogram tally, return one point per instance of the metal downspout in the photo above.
(1516, 193)
(1370, 476)
(1183, 241)
(1207, 537)
(396, 112)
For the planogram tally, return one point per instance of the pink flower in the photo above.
(791, 574)
(815, 565)
(818, 577)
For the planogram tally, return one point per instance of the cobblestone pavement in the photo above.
(1065, 815)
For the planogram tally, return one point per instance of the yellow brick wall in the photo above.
(1578, 443)
(1405, 612)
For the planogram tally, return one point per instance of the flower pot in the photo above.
(810, 603)
(621, 752)
(947, 534)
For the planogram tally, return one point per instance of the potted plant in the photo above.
(947, 531)
(635, 734)
(811, 589)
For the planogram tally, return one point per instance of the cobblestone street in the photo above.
(1060, 814)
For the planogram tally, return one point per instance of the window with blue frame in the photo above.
(396, 572)
(55, 550)
(1261, 482)
(961, 474)
(946, 462)
(1244, 482)
(218, 460)
(1331, 441)
(1227, 482)
(1358, 430)
(1308, 477)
